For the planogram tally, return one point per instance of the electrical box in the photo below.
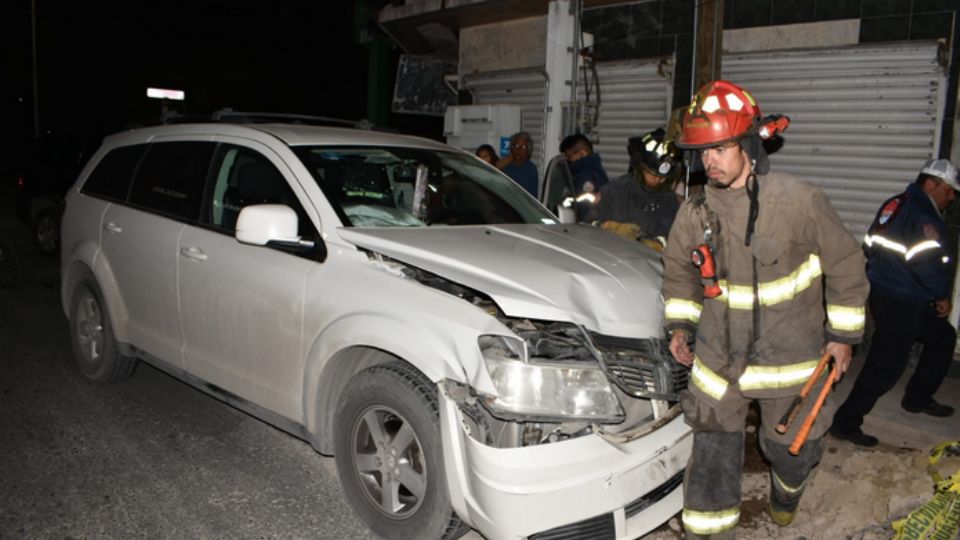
(469, 126)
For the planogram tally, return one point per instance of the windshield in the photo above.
(415, 187)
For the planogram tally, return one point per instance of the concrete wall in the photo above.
(792, 36)
(502, 46)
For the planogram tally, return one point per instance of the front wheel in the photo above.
(389, 455)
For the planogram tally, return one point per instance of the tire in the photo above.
(388, 417)
(46, 231)
(9, 264)
(91, 334)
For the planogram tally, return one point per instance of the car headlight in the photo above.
(546, 389)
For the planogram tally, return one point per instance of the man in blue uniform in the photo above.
(587, 170)
(909, 272)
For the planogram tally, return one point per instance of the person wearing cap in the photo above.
(788, 286)
(909, 271)
(642, 203)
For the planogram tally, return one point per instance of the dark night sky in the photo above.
(97, 57)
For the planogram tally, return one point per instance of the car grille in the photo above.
(595, 528)
(643, 367)
(654, 495)
(602, 527)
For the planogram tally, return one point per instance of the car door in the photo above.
(557, 187)
(139, 241)
(242, 305)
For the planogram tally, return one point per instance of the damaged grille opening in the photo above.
(643, 367)
(639, 370)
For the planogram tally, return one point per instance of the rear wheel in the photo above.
(91, 334)
(389, 455)
(47, 232)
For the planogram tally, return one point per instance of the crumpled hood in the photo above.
(571, 273)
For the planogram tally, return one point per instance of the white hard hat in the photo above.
(941, 168)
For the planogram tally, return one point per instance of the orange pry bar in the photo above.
(812, 417)
(794, 410)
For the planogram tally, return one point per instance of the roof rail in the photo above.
(230, 116)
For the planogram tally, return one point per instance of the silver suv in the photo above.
(469, 360)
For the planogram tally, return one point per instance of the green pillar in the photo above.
(379, 94)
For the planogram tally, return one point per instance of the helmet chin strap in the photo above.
(753, 192)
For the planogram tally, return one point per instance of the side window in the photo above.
(242, 177)
(171, 177)
(111, 178)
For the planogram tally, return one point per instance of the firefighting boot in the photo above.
(788, 476)
(784, 500)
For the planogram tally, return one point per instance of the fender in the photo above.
(86, 256)
(440, 347)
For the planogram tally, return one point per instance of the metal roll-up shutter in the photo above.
(635, 98)
(863, 118)
(519, 87)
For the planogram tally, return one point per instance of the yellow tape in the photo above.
(938, 518)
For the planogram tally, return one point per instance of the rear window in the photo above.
(171, 178)
(111, 178)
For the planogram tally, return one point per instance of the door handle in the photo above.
(193, 253)
(112, 227)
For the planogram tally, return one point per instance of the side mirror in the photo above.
(261, 224)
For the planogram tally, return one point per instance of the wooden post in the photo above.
(709, 42)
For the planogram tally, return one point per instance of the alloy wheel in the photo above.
(389, 461)
(89, 324)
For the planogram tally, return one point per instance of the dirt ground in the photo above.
(855, 493)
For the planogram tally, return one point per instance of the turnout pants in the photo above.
(711, 485)
(898, 326)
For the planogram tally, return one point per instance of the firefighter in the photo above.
(641, 203)
(909, 271)
(785, 283)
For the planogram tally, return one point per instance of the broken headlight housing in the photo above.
(552, 388)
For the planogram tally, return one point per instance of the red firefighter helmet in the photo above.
(720, 112)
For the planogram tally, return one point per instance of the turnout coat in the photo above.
(799, 284)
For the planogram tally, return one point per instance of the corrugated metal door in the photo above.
(520, 87)
(635, 98)
(863, 118)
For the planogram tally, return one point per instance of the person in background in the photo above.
(517, 164)
(487, 153)
(642, 203)
(909, 270)
(588, 173)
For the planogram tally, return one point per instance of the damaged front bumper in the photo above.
(598, 485)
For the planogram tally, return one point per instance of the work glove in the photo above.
(653, 243)
(630, 231)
